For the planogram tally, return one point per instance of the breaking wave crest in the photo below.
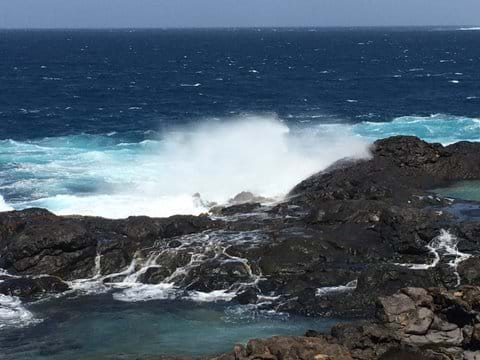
(445, 129)
(107, 176)
(116, 176)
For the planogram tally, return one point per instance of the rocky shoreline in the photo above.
(415, 323)
(343, 238)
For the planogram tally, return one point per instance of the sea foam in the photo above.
(115, 176)
(3, 205)
(13, 313)
(217, 159)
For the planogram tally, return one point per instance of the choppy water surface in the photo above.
(115, 123)
(119, 123)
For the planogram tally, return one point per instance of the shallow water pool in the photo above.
(98, 327)
(465, 190)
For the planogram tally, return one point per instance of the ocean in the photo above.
(133, 122)
(116, 123)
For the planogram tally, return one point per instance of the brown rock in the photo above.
(296, 348)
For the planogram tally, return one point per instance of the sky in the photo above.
(234, 13)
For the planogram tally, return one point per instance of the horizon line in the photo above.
(237, 27)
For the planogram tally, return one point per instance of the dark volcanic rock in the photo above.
(27, 287)
(248, 296)
(36, 242)
(243, 208)
(371, 223)
(400, 166)
(216, 274)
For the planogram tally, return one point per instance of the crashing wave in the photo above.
(93, 175)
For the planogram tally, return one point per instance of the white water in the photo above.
(350, 286)
(3, 205)
(158, 177)
(443, 246)
(13, 314)
(126, 286)
(106, 175)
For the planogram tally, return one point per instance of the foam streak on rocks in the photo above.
(443, 246)
(356, 220)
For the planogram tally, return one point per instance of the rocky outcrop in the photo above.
(293, 348)
(415, 323)
(36, 242)
(28, 287)
(399, 166)
(345, 236)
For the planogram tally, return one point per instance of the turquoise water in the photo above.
(465, 190)
(97, 327)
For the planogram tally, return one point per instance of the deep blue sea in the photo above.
(92, 122)
(134, 122)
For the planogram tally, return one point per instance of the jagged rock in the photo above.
(246, 197)
(469, 270)
(27, 287)
(295, 348)
(216, 275)
(423, 318)
(36, 242)
(355, 221)
(248, 296)
(399, 166)
(242, 208)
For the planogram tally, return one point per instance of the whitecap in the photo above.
(473, 28)
(49, 78)
(13, 313)
(191, 85)
(442, 128)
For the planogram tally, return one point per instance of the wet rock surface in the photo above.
(28, 287)
(342, 238)
(372, 222)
